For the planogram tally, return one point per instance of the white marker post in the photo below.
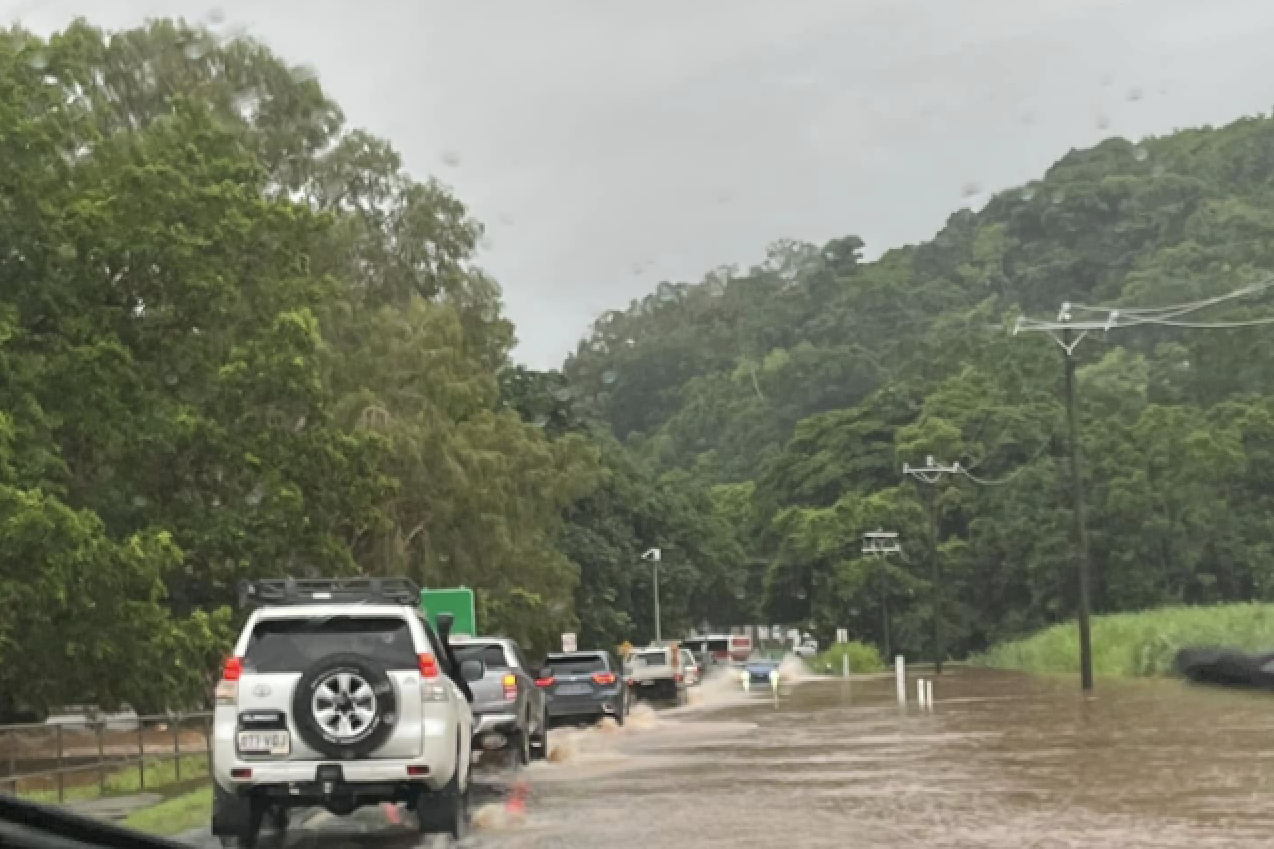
(900, 675)
(929, 695)
(920, 692)
(844, 665)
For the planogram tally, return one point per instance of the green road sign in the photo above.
(458, 602)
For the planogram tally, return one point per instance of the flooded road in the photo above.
(1003, 760)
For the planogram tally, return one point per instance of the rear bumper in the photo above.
(658, 688)
(503, 723)
(601, 706)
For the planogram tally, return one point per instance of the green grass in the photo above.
(178, 814)
(1133, 645)
(863, 657)
(120, 780)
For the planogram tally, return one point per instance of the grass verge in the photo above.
(175, 815)
(121, 780)
(863, 657)
(1141, 644)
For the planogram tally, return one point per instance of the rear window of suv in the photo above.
(575, 664)
(292, 645)
(491, 654)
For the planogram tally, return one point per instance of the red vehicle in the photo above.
(721, 647)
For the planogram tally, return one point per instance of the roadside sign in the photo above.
(842, 635)
(458, 602)
(762, 632)
(568, 643)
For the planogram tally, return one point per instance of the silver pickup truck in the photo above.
(509, 712)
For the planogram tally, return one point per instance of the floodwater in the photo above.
(1002, 760)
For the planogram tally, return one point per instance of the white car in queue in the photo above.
(339, 694)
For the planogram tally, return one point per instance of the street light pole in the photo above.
(653, 557)
(881, 544)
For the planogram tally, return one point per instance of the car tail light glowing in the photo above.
(677, 677)
(428, 665)
(232, 669)
(510, 684)
(603, 678)
(228, 687)
(544, 682)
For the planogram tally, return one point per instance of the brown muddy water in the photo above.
(1002, 760)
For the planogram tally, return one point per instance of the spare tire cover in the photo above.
(345, 706)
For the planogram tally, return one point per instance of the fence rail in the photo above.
(71, 756)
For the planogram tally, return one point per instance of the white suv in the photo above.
(340, 694)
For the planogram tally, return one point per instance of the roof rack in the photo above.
(287, 591)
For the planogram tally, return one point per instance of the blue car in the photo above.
(758, 671)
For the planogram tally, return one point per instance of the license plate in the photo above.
(574, 690)
(264, 742)
(645, 683)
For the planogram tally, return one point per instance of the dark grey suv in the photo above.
(583, 685)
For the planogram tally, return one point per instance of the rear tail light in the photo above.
(432, 687)
(603, 678)
(510, 684)
(228, 686)
(543, 682)
(232, 669)
(677, 677)
(428, 665)
(417, 770)
(240, 773)
(628, 681)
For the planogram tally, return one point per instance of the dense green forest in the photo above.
(799, 388)
(237, 339)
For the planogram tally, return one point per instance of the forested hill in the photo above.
(800, 387)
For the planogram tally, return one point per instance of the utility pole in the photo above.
(881, 544)
(653, 557)
(931, 473)
(1069, 342)
(1068, 333)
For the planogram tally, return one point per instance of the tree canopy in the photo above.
(238, 339)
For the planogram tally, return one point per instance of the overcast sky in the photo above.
(610, 145)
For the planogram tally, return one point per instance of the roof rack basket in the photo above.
(274, 592)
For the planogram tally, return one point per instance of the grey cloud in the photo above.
(676, 137)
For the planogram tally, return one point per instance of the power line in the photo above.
(1012, 475)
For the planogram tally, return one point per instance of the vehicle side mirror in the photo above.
(445, 623)
(472, 669)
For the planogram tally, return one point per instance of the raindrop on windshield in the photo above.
(451, 159)
(1103, 122)
(1134, 94)
(216, 16)
(1028, 192)
(1140, 153)
(970, 190)
(195, 50)
(38, 61)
